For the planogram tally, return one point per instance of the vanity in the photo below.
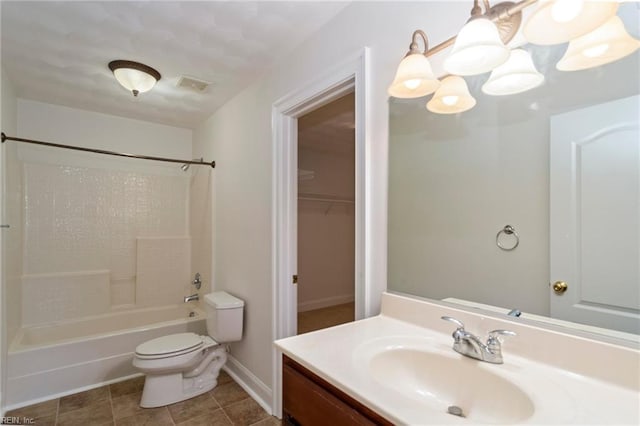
(399, 368)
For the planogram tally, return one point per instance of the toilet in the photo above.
(183, 365)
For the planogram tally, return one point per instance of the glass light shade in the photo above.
(558, 21)
(452, 97)
(414, 78)
(517, 75)
(134, 76)
(605, 44)
(478, 49)
(132, 79)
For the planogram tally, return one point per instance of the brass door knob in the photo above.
(560, 287)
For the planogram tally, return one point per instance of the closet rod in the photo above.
(102, 151)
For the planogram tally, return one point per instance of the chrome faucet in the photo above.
(470, 345)
(192, 297)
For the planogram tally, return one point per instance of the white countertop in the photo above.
(341, 356)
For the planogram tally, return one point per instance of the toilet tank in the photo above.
(224, 316)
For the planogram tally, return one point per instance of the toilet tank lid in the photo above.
(223, 300)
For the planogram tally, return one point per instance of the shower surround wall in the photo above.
(101, 233)
(101, 238)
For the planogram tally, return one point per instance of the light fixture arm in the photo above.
(494, 16)
(476, 10)
(414, 47)
(509, 12)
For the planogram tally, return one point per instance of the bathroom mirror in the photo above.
(457, 181)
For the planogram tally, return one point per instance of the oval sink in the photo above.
(446, 381)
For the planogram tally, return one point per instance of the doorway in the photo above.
(346, 77)
(326, 215)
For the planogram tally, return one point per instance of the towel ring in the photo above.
(507, 230)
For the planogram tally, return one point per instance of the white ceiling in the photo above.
(57, 52)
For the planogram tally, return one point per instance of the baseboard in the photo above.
(250, 383)
(323, 303)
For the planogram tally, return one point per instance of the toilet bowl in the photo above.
(184, 365)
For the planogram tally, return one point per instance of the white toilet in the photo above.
(183, 365)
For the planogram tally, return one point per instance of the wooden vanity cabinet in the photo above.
(309, 400)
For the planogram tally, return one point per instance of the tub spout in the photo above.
(192, 297)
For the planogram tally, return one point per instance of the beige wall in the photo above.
(453, 184)
(200, 223)
(326, 208)
(238, 136)
(326, 230)
(11, 249)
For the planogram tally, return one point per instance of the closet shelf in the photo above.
(305, 196)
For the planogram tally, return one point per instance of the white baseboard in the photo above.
(250, 383)
(323, 303)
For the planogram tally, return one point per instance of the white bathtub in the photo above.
(48, 361)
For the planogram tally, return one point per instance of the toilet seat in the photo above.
(169, 346)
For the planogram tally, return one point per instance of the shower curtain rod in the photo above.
(102, 151)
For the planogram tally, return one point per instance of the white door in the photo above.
(595, 215)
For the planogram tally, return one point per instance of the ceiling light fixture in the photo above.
(596, 37)
(134, 76)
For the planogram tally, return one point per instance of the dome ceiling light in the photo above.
(134, 76)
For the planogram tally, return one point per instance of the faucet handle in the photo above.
(459, 332)
(496, 333)
(196, 281)
(493, 343)
(455, 321)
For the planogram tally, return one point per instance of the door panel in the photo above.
(595, 214)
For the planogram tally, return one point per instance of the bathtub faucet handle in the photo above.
(197, 282)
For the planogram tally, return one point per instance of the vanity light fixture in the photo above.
(605, 44)
(517, 75)
(597, 36)
(134, 76)
(452, 97)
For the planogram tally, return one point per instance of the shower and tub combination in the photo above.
(106, 266)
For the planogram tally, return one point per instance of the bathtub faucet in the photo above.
(192, 297)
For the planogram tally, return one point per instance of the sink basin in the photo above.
(440, 381)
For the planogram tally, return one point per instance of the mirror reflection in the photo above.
(552, 173)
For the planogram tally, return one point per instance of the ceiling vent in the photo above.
(192, 83)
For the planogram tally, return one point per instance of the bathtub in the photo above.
(65, 357)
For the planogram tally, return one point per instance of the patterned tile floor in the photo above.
(325, 317)
(117, 404)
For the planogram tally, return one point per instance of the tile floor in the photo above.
(325, 317)
(117, 404)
